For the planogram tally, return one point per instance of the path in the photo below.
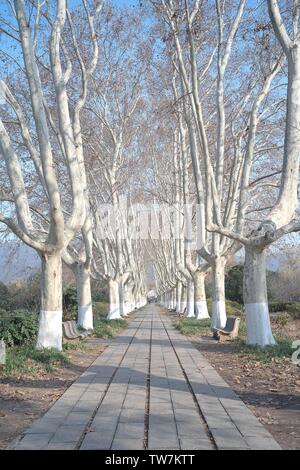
(150, 389)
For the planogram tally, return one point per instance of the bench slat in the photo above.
(231, 329)
(70, 330)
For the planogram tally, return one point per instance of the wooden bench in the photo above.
(71, 331)
(230, 331)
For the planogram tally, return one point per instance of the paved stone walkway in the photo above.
(150, 389)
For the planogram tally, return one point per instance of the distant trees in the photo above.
(284, 283)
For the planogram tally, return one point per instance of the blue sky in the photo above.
(114, 2)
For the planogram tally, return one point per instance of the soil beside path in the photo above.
(24, 398)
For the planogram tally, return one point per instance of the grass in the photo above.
(27, 360)
(281, 350)
(104, 328)
(72, 345)
(192, 326)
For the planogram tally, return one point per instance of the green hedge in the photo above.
(293, 308)
(18, 327)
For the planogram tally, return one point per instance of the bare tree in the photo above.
(41, 136)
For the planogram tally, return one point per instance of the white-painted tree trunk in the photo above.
(178, 297)
(190, 307)
(183, 303)
(218, 318)
(50, 318)
(201, 310)
(123, 311)
(173, 299)
(114, 300)
(84, 297)
(256, 298)
(169, 300)
(129, 303)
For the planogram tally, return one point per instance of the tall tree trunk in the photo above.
(190, 307)
(166, 299)
(256, 298)
(183, 303)
(129, 299)
(50, 318)
(169, 300)
(173, 299)
(114, 300)
(200, 296)
(178, 296)
(84, 297)
(218, 319)
(123, 312)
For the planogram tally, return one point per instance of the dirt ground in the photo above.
(23, 399)
(270, 390)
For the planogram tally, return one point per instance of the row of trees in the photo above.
(188, 107)
(66, 136)
(234, 80)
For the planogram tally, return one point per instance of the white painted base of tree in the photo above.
(258, 324)
(218, 317)
(50, 330)
(85, 317)
(201, 309)
(190, 310)
(127, 308)
(182, 307)
(114, 312)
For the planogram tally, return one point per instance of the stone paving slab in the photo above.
(149, 389)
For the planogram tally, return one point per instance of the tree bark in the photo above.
(84, 297)
(219, 318)
(256, 298)
(123, 312)
(114, 300)
(183, 303)
(129, 299)
(178, 296)
(200, 296)
(169, 300)
(190, 307)
(50, 318)
(173, 299)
